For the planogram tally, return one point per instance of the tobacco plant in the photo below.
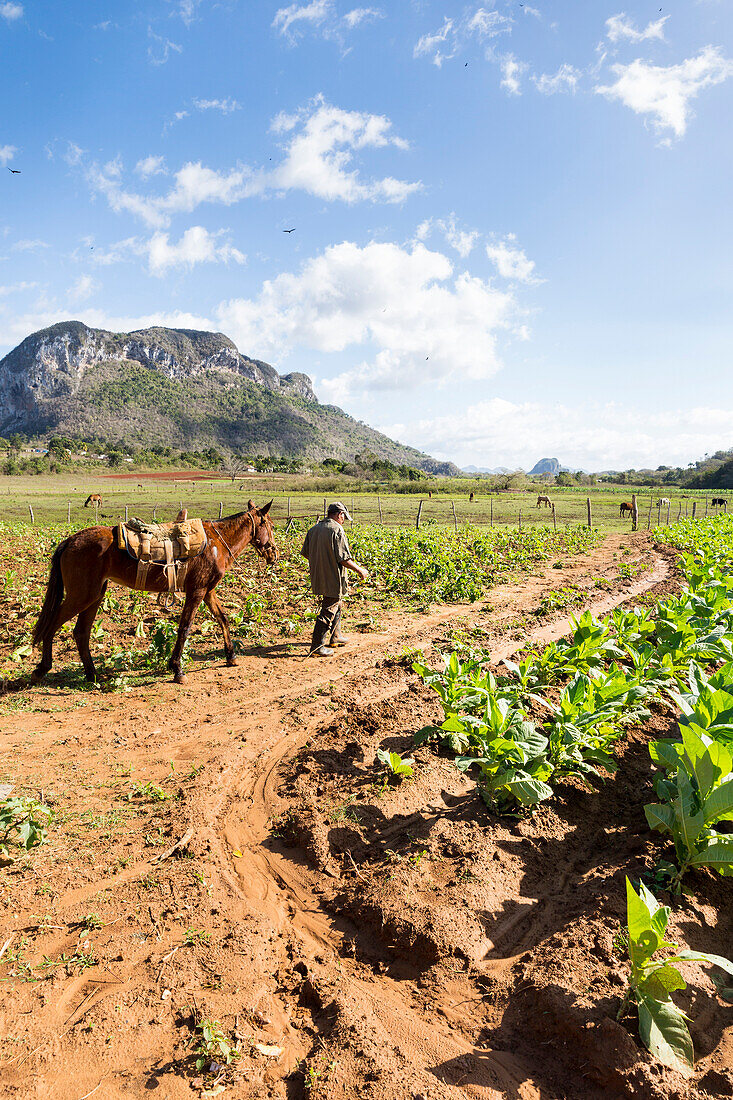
(662, 1026)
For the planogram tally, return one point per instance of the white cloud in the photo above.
(590, 436)
(29, 245)
(512, 72)
(440, 46)
(511, 262)
(319, 154)
(463, 240)
(226, 106)
(160, 48)
(322, 141)
(664, 93)
(82, 289)
(196, 246)
(488, 24)
(7, 152)
(361, 15)
(186, 10)
(619, 26)
(314, 13)
(16, 288)
(11, 12)
(151, 166)
(564, 80)
(416, 319)
(443, 44)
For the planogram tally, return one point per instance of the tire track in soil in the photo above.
(272, 883)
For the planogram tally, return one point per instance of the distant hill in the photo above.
(487, 470)
(547, 466)
(177, 388)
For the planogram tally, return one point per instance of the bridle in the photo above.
(258, 549)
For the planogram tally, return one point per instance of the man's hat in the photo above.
(336, 507)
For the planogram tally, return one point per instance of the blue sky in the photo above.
(512, 222)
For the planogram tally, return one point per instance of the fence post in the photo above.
(520, 520)
(706, 505)
(694, 508)
(221, 508)
(491, 514)
(33, 519)
(154, 513)
(68, 512)
(590, 522)
(417, 521)
(96, 512)
(288, 507)
(324, 507)
(554, 519)
(455, 520)
(635, 513)
(379, 505)
(679, 512)
(125, 513)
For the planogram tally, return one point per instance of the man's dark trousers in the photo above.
(328, 622)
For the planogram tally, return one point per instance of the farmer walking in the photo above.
(327, 550)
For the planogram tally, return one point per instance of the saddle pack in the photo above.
(170, 546)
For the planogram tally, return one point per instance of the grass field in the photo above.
(55, 499)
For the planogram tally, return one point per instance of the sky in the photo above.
(511, 230)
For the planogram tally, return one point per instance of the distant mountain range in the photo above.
(487, 470)
(550, 466)
(179, 388)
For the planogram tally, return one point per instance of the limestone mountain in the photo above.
(179, 388)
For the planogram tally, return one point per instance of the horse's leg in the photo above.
(220, 615)
(68, 610)
(193, 598)
(83, 629)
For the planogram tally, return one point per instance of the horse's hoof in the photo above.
(231, 662)
(37, 675)
(180, 678)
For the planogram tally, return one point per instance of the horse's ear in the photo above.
(263, 511)
(250, 506)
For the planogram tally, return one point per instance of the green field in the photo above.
(55, 499)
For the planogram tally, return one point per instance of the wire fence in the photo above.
(161, 502)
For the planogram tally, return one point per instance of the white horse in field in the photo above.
(663, 502)
(544, 500)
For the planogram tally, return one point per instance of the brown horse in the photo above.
(625, 507)
(93, 498)
(83, 564)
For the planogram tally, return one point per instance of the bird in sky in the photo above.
(289, 230)
(15, 171)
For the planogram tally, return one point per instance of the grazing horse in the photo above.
(625, 507)
(470, 498)
(93, 498)
(544, 500)
(720, 502)
(83, 564)
(663, 502)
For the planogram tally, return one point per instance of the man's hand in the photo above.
(363, 572)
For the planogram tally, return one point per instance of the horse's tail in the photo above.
(53, 598)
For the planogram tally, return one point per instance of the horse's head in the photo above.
(263, 533)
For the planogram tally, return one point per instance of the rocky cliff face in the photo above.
(52, 365)
(176, 388)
